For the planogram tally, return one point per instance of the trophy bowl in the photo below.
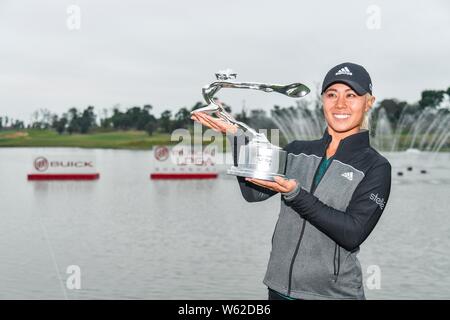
(261, 160)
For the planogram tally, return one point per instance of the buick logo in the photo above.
(162, 153)
(41, 164)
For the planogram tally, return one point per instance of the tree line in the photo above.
(10, 123)
(141, 117)
(394, 107)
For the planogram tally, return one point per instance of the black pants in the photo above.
(273, 295)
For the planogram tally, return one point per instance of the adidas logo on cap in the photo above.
(344, 70)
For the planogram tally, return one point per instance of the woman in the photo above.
(336, 191)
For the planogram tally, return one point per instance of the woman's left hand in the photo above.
(279, 185)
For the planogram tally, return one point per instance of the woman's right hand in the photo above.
(214, 123)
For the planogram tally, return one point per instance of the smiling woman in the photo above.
(336, 191)
(340, 95)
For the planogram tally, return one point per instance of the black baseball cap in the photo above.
(353, 75)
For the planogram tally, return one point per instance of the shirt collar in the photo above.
(350, 144)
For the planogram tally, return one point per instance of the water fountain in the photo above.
(424, 131)
(300, 123)
(427, 130)
(413, 145)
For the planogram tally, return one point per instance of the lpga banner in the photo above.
(63, 167)
(184, 162)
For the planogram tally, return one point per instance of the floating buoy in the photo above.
(399, 173)
(423, 171)
(409, 168)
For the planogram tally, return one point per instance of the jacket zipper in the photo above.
(291, 267)
(336, 269)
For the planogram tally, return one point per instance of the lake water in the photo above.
(134, 238)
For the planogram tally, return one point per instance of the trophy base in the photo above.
(254, 174)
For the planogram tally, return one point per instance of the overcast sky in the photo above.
(162, 52)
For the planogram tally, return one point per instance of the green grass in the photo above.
(111, 140)
(137, 140)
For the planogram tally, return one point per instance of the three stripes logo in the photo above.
(348, 175)
(344, 70)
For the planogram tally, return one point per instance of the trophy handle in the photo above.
(291, 90)
(215, 108)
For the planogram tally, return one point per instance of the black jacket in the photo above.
(316, 227)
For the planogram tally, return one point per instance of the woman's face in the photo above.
(343, 108)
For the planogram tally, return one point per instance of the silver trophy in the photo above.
(259, 158)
